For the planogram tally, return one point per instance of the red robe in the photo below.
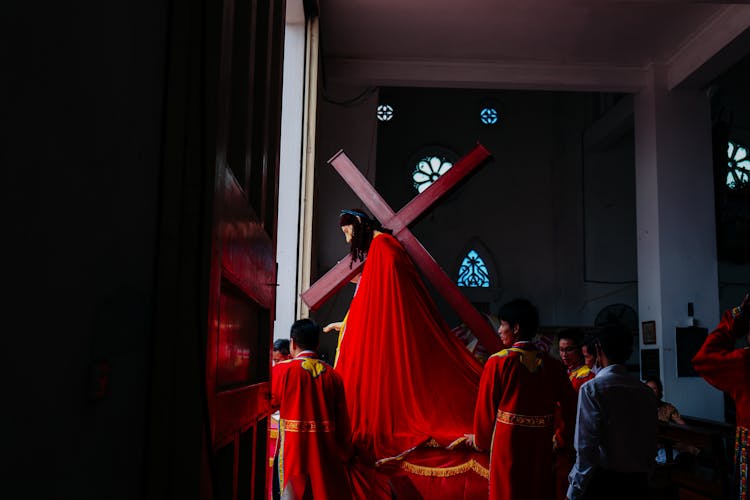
(514, 417)
(408, 379)
(314, 429)
(565, 454)
(728, 369)
(579, 376)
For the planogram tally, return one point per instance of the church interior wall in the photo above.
(524, 206)
(731, 102)
(346, 120)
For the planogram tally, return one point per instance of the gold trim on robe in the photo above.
(306, 426)
(506, 417)
(421, 470)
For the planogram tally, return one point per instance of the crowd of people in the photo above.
(577, 427)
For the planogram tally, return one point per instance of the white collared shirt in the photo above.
(616, 427)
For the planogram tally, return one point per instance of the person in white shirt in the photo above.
(616, 426)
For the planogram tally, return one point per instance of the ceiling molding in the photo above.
(497, 75)
(706, 43)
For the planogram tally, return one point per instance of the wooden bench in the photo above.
(707, 475)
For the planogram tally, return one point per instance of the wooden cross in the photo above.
(343, 272)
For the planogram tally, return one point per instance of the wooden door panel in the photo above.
(247, 254)
(243, 276)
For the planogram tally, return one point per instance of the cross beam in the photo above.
(342, 273)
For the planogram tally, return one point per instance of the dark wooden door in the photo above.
(216, 282)
(246, 102)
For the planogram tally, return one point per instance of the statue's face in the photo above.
(348, 232)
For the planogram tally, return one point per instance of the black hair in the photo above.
(616, 343)
(363, 228)
(521, 312)
(590, 344)
(305, 333)
(281, 345)
(659, 386)
(574, 334)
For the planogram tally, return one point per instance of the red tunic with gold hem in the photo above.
(518, 393)
(565, 455)
(728, 369)
(314, 432)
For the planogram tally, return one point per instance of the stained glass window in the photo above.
(488, 116)
(428, 170)
(473, 271)
(385, 112)
(738, 163)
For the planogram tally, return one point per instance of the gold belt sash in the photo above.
(509, 418)
(306, 426)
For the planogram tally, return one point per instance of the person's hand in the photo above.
(471, 441)
(332, 326)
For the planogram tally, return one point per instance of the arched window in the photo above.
(738, 166)
(473, 271)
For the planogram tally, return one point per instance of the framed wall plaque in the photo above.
(648, 330)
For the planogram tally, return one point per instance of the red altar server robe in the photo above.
(407, 377)
(514, 416)
(566, 457)
(314, 431)
(728, 369)
(579, 376)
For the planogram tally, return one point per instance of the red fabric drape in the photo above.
(407, 377)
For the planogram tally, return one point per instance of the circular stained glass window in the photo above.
(428, 170)
(738, 164)
(385, 112)
(488, 116)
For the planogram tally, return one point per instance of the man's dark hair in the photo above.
(573, 334)
(590, 343)
(616, 343)
(521, 312)
(281, 345)
(306, 334)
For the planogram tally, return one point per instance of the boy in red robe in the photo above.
(728, 369)
(314, 433)
(569, 343)
(514, 415)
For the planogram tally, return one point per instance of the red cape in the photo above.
(408, 379)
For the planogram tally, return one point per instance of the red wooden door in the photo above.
(246, 104)
(216, 270)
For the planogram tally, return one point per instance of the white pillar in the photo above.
(289, 175)
(676, 230)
